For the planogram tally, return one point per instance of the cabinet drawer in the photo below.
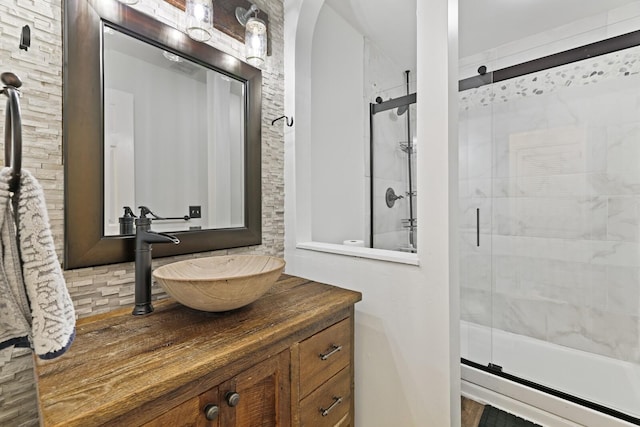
(323, 355)
(330, 404)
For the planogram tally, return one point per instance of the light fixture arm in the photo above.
(243, 15)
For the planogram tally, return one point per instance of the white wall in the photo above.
(337, 131)
(407, 331)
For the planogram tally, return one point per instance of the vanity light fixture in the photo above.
(255, 36)
(199, 19)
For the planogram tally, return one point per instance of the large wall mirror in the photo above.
(153, 118)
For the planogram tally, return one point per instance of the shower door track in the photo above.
(393, 103)
(553, 392)
(587, 51)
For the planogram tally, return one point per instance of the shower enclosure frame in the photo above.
(602, 47)
(375, 108)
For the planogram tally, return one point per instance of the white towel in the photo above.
(43, 318)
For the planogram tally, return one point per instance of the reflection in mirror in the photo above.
(188, 170)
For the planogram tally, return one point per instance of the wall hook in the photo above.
(289, 123)
(25, 38)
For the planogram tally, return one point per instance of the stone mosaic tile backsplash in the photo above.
(552, 160)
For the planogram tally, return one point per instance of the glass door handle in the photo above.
(478, 227)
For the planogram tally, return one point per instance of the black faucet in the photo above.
(144, 238)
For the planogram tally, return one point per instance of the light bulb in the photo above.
(255, 41)
(199, 19)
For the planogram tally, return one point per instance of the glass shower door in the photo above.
(476, 223)
(393, 148)
(550, 280)
(566, 229)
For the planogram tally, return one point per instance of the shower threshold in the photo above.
(552, 392)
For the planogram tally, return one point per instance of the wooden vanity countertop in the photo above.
(121, 366)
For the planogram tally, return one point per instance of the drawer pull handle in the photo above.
(334, 349)
(336, 402)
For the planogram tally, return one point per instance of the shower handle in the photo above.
(390, 197)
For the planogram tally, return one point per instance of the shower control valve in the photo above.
(391, 197)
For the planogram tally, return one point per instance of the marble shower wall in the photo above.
(552, 160)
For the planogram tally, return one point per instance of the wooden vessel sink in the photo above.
(219, 283)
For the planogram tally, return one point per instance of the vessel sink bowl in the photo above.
(219, 283)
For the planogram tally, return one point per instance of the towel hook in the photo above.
(286, 119)
(13, 129)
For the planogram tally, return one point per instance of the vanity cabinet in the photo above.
(256, 397)
(284, 361)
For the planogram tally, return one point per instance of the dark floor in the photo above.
(475, 414)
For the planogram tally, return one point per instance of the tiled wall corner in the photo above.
(101, 289)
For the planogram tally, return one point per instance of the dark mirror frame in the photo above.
(82, 122)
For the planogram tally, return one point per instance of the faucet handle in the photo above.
(144, 211)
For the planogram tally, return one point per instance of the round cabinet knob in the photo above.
(232, 398)
(211, 412)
